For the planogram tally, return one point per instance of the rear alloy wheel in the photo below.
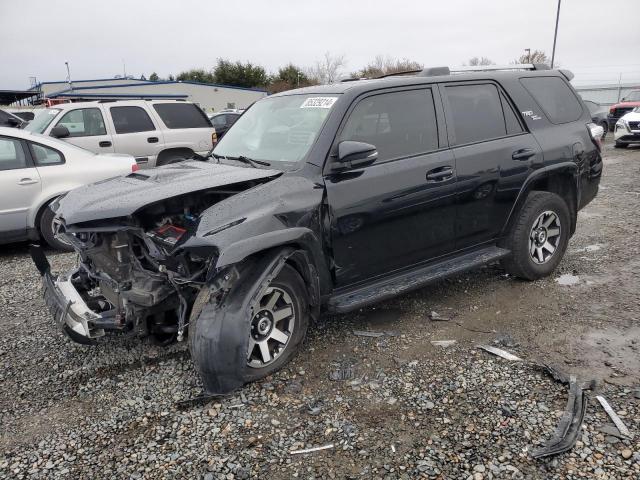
(49, 228)
(538, 237)
(544, 237)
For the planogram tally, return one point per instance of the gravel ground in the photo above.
(405, 408)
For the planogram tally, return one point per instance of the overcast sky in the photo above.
(597, 39)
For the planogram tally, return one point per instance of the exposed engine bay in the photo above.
(134, 273)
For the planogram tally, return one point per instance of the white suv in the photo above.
(154, 132)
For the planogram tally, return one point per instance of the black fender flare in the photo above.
(564, 167)
(300, 238)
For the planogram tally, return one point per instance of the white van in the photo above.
(155, 132)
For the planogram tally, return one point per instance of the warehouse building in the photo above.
(606, 94)
(209, 96)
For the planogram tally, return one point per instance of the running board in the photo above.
(399, 283)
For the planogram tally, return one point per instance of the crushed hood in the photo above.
(122, 196)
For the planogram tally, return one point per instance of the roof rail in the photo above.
(404, 72)
(437, 71)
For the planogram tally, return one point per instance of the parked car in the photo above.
(155, 132)
(327, 199)
(628, 129)
(599, 115)
(620, 109)
(34, 171)
(26, 114)
(223, 121)
(8, 119)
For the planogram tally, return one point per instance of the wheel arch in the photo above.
(173, 152)
(561, 179)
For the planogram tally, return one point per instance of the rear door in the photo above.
(136, 133)
(87, 129)
(19, 187)
(399, 211)
(494, 155)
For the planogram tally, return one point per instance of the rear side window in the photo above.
(555, 98)
(510, 118)
(44, 156)
(182, 115)
(399, 124)
(83, 122)
(11, 154)
(476, 112)
(219, 120)
(131, 120)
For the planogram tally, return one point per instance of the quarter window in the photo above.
(44, 156)
(83, 122)
(555, 98)
(131, 120)
(476, 112)
(11, 154)
(399, 124)
(182, 115)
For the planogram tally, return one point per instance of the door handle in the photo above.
(27, 181)
(523, 154)
(152, 139)
(440, 174)
(105, 144)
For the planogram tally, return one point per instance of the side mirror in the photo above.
(356, 154)
(60, 131)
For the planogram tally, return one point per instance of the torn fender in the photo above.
(223, 323)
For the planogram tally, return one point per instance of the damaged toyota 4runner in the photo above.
(327, 199)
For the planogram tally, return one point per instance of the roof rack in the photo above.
(437, 71)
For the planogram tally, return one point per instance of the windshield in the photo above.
(634, 96)
(277, 129)
(42, 120)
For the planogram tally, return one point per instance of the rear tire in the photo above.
(48, 229)
(539, 236)
(281, 345)
(605, 126)
(620, 145)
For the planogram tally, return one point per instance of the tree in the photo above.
(537, 56)
(480, 61)
(171, 78)
(289, 77)
(154, 77)
(240, 74)
(328, 69)
(196, 75)
(382, 65)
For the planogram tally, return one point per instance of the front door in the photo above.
(87, 129)
(494, 155)
(20, 187)
(399, 211)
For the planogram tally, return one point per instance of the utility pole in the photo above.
(68, 75)
(528, 50)
(555, 35)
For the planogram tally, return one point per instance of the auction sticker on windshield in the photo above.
(319, 102)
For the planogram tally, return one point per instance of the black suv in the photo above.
(327, 199)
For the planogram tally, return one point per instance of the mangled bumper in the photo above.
(71, 313)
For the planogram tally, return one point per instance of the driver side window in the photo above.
(84, 122)
(398, 124)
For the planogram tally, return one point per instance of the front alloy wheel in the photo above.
(271, 328)
(544, 237)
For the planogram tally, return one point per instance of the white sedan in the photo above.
(35, 170)
(627, 129)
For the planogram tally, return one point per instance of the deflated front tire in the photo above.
(253, 332)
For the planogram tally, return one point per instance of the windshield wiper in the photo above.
(250, 161)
